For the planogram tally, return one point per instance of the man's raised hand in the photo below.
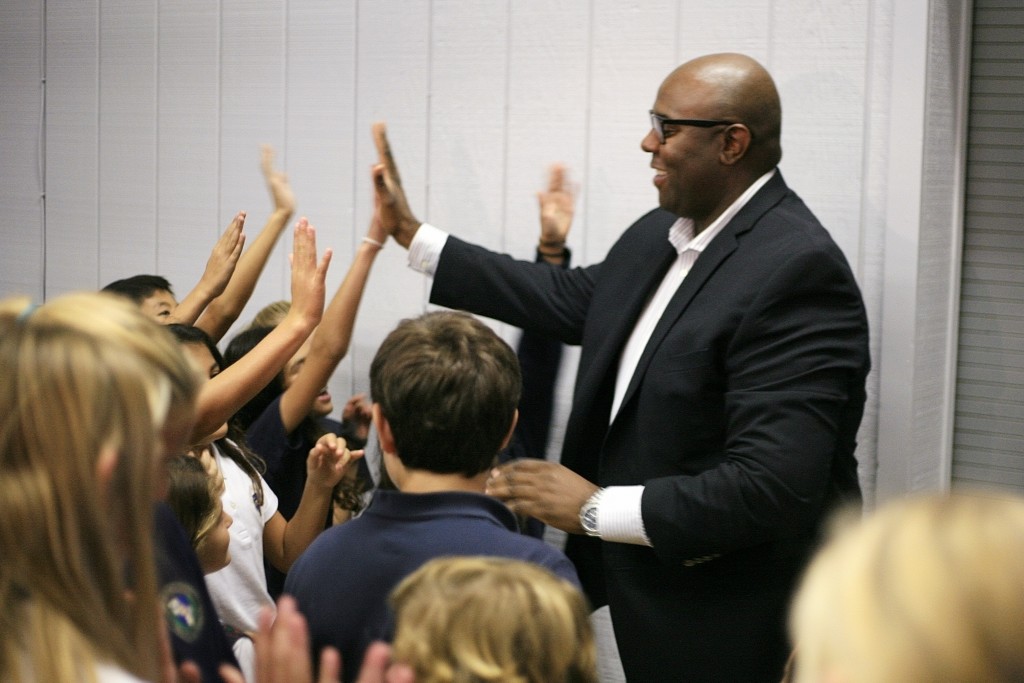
(394, 211)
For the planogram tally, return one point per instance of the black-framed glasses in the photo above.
(658, 124)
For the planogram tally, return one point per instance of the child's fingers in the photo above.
(343, 460)
(325, 262)
(330, 665)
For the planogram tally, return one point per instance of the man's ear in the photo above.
(105, 466)
(735, 143)
(387, 439)
(511, 430)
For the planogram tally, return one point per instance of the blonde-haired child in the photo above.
(88, 388)
(927, 589)
(492, 619)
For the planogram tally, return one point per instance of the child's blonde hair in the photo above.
(271, 315)
(492, 619)
(84, 380)
(929, 588)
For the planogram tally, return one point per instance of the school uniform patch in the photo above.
(183, 610)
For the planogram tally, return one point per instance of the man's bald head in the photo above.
(738, 88)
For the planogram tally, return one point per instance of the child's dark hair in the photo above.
(233, 445)
(448, 386)
(243, 343)
(347, 494)
(138, 288)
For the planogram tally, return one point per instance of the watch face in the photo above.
(590, 518)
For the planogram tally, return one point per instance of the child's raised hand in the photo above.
(224, 257)
(376, 233)
(357, 412)
(329, 460)
(277, 183)
(557, 205)
(308, 289)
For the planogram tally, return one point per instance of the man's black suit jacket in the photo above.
(740, 421)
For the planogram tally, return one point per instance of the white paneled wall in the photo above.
(155, 111)
(21, 148)
(72, 140)
(189, 208)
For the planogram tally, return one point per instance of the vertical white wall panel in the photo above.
(724, 26)
(548, 114)
(72, 146)
(819, 55)
(468, 104)
(393, 85)
(633, 48)
(189, 217)
(320, 140)
(252, 112)
(127, 139)
(468, 115)
(320, 121)
(922, 249)
(21, 148)
(869, 267)
(930, 464)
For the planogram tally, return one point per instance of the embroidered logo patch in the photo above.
(183, 610)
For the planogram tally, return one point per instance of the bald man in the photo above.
(720, 387)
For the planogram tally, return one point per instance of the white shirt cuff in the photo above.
(619, 517)
(425, 249)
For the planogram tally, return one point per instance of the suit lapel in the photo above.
(637, 288)
(632, 281)
(720, 248)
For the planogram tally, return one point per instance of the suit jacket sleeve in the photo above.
(547, 300)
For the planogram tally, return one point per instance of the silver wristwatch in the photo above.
(588, 513)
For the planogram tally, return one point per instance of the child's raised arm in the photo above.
(223, 395)
(225, 309)
(284, 540)
(219, 268)
(331, 339)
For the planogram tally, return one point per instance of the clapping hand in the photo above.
(357, 412)
(329, 460)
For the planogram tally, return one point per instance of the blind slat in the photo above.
(988, 432)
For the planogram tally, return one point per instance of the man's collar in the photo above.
(681, 234)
